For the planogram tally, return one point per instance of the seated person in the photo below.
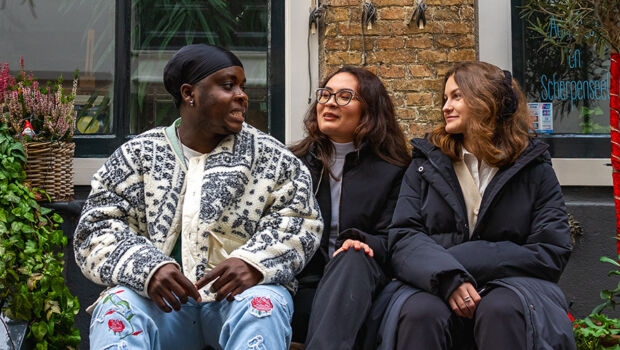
(199, 227)
(480, 234)
(357, 155)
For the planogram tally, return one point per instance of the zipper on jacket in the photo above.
(318, 185)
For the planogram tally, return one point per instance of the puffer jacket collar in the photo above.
(536, 151)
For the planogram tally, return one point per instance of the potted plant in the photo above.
(597, 330)
(43, 118)
(32, 287)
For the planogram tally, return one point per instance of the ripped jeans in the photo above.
(258, 319)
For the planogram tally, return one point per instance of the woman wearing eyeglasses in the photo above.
(357, 154)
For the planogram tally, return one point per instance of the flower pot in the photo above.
(49, 167)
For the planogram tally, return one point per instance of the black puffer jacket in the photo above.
(521, 237)
(370, 189)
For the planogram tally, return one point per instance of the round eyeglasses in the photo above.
(342, 97)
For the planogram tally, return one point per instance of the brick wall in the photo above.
(411, 62)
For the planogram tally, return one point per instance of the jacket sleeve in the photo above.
(378, 239)
(545, 252)
(416, 258)
(110, 243)
(289, 232)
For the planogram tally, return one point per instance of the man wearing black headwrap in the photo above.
(208, 217)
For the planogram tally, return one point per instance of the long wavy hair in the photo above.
(377, 128)
(499, 124)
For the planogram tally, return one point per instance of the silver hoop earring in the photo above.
(191, 103)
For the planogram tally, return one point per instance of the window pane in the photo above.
(570, 94)
(160, 27)
(56, 38)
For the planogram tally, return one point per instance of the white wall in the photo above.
(296, 25)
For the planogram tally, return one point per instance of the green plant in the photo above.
(32, 287)
(595, 23)
(597, 331)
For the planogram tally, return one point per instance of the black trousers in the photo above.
(427, 322)
(343, 298)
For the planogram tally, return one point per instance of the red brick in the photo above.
(442, 69)
(458, 27)
(443, 13)
(392, 71)
(335, 44)
(349, 28)
(400, 28)
(448, 2)
(467, 12)
(462, 55)
(420, 42)
(404, 113)
(372, 69)
(390, 43)
(448, 41)
(419, 98)
(380, 3)
(418, 84)
(338, 14)
(390, 56)
(336, 3)
(431, 56)
(356, 44)
(378, 28)
(419, 71)
(392, 13)
(331, 30)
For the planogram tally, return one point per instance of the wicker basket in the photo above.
(50, 167)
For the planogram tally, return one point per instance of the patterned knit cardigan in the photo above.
(253, 190)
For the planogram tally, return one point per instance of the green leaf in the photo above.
(45, 211)
(609, 260)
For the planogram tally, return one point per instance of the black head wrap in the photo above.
(194, 62)
(511, 99)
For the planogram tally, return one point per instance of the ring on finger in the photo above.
(467, 299)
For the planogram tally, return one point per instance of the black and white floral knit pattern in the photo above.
(253, 190)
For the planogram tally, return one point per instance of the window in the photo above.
(569, 96)
(121, 47)
(55, 39)
(160, 27)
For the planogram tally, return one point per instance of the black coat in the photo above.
(521, 237)
(369, 192)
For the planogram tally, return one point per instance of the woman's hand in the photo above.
(464, 300)
(351, 243)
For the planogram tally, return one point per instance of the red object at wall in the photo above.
(614, 117)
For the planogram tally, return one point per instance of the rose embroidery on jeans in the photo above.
(261, 307)
(116, 326)
(123, 310)
(262, 304)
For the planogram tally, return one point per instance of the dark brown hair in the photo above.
(377, 128)
(499, 123)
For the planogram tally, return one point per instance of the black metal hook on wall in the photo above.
(316, 16)
(418, 15)
(369, 16)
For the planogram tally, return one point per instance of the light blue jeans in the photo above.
(258, 319)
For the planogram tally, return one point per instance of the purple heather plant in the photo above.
(49, 110)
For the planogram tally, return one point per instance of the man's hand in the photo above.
(167, 280)
(464, 300)
(235, 276)
(351, 243)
